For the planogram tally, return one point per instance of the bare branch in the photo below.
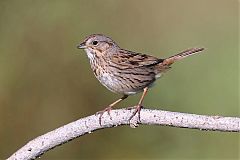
(42, 144)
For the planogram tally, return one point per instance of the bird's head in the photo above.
(97, 45)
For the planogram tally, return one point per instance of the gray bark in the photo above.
(40, 145)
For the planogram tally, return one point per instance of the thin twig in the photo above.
(40, 145)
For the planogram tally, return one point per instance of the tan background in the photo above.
(46, 82)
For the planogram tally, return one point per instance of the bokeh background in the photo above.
(45, 82)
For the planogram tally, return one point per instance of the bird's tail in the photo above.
(179, 56)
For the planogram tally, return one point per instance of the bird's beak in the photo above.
(81, 45)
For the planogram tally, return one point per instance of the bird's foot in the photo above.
(108, 109)
(136, 111)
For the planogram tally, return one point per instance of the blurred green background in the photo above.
(45, 82)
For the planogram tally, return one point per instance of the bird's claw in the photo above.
(108, 109)
(136, 111)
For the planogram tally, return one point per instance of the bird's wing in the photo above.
(128, 59)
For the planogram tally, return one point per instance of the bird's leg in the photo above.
(109, 108)
(139, 106)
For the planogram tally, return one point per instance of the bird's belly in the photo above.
(121, 85)
(112, 83)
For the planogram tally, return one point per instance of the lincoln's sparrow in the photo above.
(125, 72)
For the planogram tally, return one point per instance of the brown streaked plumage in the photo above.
(126, 72)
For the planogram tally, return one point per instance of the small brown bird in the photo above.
(125, 72)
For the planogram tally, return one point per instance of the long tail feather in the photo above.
(179, 56)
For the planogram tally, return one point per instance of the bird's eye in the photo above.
(95, 43)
